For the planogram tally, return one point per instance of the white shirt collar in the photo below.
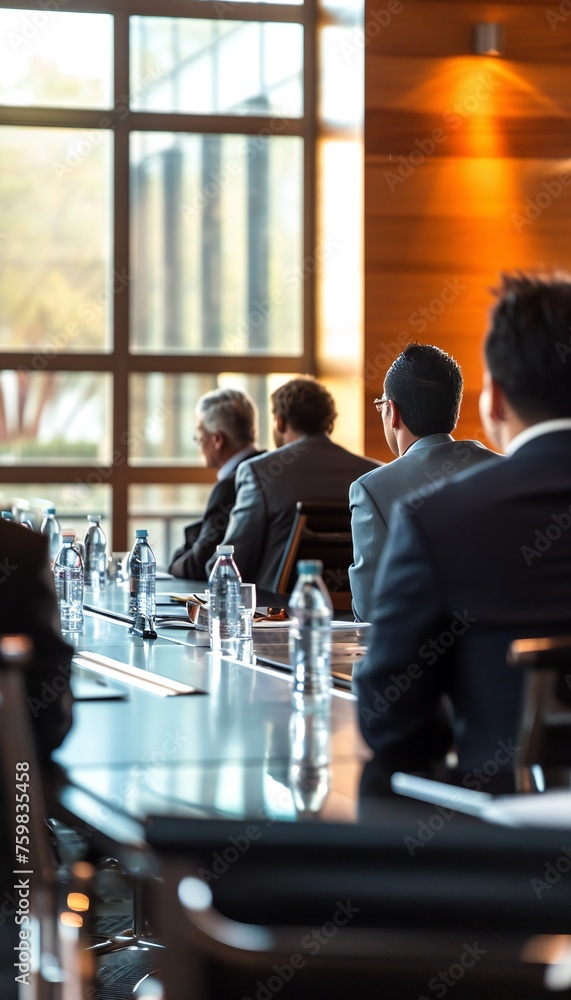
(537, 430)
(226, 470)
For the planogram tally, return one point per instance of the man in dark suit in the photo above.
(305, 466)
(226, 429)
(419, 409)
(483, 561)
(28, 606)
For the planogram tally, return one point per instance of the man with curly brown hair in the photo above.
(306, 465)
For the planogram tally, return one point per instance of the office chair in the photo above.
(59, 974)
(344, 911)
(545, 726)
(321, 530)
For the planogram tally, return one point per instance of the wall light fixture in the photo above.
(489, 39)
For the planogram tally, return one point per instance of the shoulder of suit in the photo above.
(258, 453)
(251, 467)
(15, 537)
(352, 456)
(284, 452)
(224, 487)
(369, 477)
(287, 452)
(461, 490)
(478, 447)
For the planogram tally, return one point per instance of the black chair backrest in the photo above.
(545, 726)
(334, 910)
(321, 530)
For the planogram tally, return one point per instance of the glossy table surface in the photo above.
(225, 752)
(235, 749)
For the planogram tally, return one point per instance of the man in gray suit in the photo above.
(419, 409)
(305, 466)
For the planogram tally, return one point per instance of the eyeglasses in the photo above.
(379, 403)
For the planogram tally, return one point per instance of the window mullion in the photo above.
(121, 301)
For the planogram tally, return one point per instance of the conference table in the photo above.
(175, 751)
(188, 734)
(222, 744)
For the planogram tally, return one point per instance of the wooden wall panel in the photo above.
(487, 193)
(533, 32)
(404, 133)
(444, 243)
(476, 187)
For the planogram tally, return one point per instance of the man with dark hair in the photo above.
(483, 561)
(419, 409)
(305, 466)
(226, 430)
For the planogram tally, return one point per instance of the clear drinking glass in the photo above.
(117, 568)
(245, 644)
(247, 608)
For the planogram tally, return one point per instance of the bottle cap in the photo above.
(7, 515)
(307, 566)
(94, 517)
(68, 535)
(49, 510)
(141, 533)
(225, 550)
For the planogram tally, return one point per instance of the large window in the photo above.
(157, 225)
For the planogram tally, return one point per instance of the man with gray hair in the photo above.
(226, 430)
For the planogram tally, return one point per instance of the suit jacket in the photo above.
(202, 537)
(483, 561)
(268, 488)
(429, 462)
(28, 605)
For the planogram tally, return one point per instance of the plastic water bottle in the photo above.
(51, 527)
(95, 544)
(68, 578)
(310, 637)
(224, 603)
(142, 577)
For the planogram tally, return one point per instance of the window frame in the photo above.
(119, 362)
